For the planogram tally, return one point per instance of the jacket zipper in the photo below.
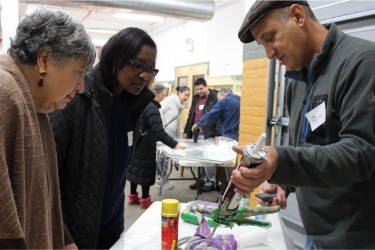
(305, 123)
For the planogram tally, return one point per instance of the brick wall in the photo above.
(253, 96)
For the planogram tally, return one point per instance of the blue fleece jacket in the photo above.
(227, 113)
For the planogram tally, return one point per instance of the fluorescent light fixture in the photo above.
(101, 31)
(139, 17)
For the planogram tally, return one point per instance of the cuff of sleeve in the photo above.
(174, 143)
(68, 239)
(287, 190)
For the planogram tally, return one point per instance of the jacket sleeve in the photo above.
(213, 116)
(165, 105)
(61, 123)
(68, 239)
(11, 232)
(190, 120)
(214, 129)
(154, 123)
(166, 111)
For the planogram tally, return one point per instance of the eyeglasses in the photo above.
(141, 67)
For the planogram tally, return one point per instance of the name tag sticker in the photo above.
(201, 107)
(317, 116)
(130, 138)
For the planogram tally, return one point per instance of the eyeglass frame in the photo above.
(143, 68)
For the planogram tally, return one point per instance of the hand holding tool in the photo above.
(252, 156)
(211, 211)
(228, 212)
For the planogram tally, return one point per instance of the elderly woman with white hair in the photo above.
(43, 71)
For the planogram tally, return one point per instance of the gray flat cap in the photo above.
(257, 11)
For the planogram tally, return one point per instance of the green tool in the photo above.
(241, 216)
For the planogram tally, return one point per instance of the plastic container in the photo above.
(260, 217)
(169, 224)
(245, 201)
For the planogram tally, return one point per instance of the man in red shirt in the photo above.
(203, 101)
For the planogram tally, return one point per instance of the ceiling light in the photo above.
(139, 17)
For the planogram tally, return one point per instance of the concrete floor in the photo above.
(181, 192)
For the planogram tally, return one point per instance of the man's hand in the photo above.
(280, 198)
(247, 179)
(193, 127)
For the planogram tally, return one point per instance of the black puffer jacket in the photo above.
(210, 130)
(81, 131)
(142, 168)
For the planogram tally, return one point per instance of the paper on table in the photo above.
(249, 239)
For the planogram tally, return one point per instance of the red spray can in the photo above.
(169, 224)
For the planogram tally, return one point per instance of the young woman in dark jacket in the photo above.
(142, 168)
(95, 136)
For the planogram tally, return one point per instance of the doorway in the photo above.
(185, 76)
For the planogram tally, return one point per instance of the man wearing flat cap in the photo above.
(330, 162)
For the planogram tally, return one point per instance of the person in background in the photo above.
(171, 109)
(95, 136)
(142, 168)
(202, 102)
(43, 71)
(331, 101)
(226, 112)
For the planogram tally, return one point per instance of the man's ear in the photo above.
(297, 12)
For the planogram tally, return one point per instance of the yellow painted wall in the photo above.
(253, 103)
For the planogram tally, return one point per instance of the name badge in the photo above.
(317, 116)
(130, 138)
(201, 107)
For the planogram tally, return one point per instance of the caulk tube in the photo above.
(253, 155)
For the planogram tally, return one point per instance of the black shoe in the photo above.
(206, 189)
(194, 186)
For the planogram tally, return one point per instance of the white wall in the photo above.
(9, 22)
(215, 41)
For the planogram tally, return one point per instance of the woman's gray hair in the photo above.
(157, 88)
(58, 32)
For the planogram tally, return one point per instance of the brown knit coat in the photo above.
(30, 211)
